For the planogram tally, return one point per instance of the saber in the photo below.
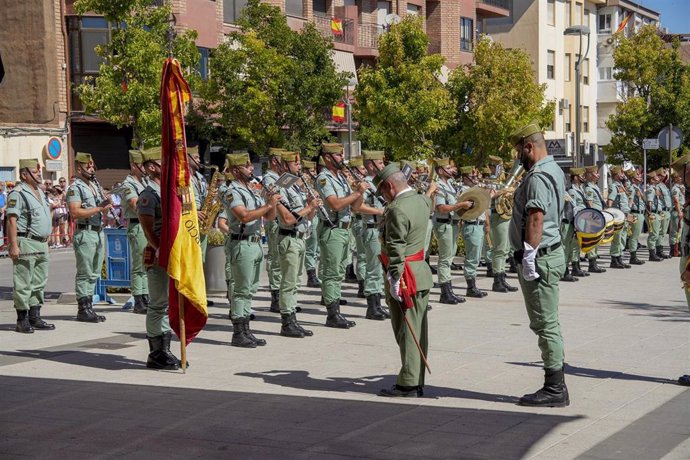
(409, 327)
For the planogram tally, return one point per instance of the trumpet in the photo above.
(271, 191)
(323, 213)
(111, 213)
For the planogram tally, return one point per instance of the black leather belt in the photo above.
(445, 221)
(517, 255)
(95, 228)
(343, 225)
(292, 233)
(133, 221)
(357, 217)
(473, 222)
(41, 239)
(566, 221)
(636, 212)
(250, 238)
(372, 225)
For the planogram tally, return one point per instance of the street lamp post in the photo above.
(348, 105)
(580, 31)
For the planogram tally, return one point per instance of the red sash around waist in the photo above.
(408, 282)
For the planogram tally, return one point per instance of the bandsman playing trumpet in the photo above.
(498, 231)
(273, 173)
(311, 253)
(473, 232)
(357, 234)
(618, 198)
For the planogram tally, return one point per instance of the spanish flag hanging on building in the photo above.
(624, 23)
(180, 251)
(339, 112)
(336, 27)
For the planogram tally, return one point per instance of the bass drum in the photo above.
(608, 229)
(589, 226)
(618, 219)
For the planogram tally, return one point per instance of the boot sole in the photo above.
(244, 345)
(558, 404)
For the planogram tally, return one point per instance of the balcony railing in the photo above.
(346, 36)
(505, 4)
(369, 35)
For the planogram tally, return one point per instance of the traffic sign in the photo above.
(54, 148)
(676, 138)
(650, 144)
(555, 147)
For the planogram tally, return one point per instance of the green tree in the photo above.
(270, 86)
(126, 91)
(401, 106)
(657, 93)
(493, 97)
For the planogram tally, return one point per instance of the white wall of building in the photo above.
(17, 146)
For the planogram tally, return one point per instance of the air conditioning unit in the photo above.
(609, 41)
(563, 104)
(568, 144)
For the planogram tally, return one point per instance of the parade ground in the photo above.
(83, 391)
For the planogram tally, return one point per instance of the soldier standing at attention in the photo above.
(499, 226)
(594, 200)
(574, 203)
(158, 330)
(334, 243)
(473, 235)
(654, 208)
(408, 277)
(87, 205)
(534, 228)
(28, 229)
(666, 204)
(311, 253)
(637, 211)
(271, 228)
(618, 198)
(134, 184)
(357, 233)
(676, 225)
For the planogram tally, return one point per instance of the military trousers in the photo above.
(358, 229)
(541, 300)
(352, 250)
(334, 244)
(30, 274)
(447, 238)
(499, 239)
(273, 258)
(228, 271)
(636, 231)
(473, 235)
(412, 371)
(157, 321)
(311, 253)
(291, 250)
(89, 251)
(373, 279)
(619, 240)
(571, 248)
(137, 273)
(664, 223)
(245, 259)
(653, 229)
(675, 227)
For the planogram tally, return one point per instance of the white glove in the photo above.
(529, 263)
(394, 287)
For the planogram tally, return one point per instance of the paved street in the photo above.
(83, 391)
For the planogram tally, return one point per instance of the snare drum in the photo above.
(608, 229)
(589, 225)
(618, 219)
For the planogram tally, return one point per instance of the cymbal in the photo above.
(481, 199)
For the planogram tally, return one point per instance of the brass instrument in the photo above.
(323, 213)
(212, 204)
(111, 212)
(504, 193)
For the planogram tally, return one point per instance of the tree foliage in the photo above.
(656, 87)
(126, 91)
(493, 97)
(401, 106)
(270, 86)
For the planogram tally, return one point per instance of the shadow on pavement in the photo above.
(676, 313)
(104, 361)
(601, 373)
(6, 293)
(76, 419)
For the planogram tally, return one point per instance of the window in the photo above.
(321, 7)
(294, 8)
(551, 12)
(85, 33)
(585, 22)
(585, 71)
(413, 9)
(605, 22)
(550, 64)
(568, 13)
(578, 14)
(232, 9)
(605, 73)
(202, 67)
(585, 119)
(566, 119)
(567, 66)
(466, 34)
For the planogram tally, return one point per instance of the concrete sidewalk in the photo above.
(83, 391)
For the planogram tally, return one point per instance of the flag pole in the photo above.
(183, 334)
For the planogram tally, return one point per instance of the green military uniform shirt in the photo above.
(372, 200)
(240, 195)
(89, 196)
(446, 194)
(619, 197)
(328, 184)
(678, 192)
(33, 214)
(652, 199)
(594, 196)
(636, 204)
(149, 204)
(665, 200)
(297, 201)
(134, 189)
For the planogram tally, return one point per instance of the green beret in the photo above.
(82, 157)
(331, 148)
(192, 150)
(486, 170)
(466, 170)
(591, 169)
(616, 169)
(356, 162)
(135, 156)
(289, 156)
(494, 160)
(632, 172)
(577, 171)
(306, 164)
(151, 154)
(440, 162)
(661, 171)
(30, 163)
(275, 152)
(384, 174)
(238, 159)
(651, 174)
(523, 132)
(373, 154)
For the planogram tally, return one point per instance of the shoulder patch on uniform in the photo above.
(144, 200)
(12, 203)
(71, 192)
(322, 182)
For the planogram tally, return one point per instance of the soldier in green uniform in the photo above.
(446, 227)
(311, 254)
(134, 185)
(293, 228)
(224, 227)
(200, 191)
(498, 230)
(87, 206)
(245, 209)
(357, 233)
(340, 201)
(682, 168)
(666, 204)
(28, 228)
(676, 225)
(637, 213)
(404, 232)
(271, 228)
(654, 208)
(150, 216)
(534, 229)
(473, 232)
(618, 198)
(595, 199)
(574, 203)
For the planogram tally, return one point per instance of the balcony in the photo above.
(345, 37)
(368, 36)
(492, 8)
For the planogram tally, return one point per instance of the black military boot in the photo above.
(634, 260)
(172, 359)
(512, 265)
(248, 333)
(446, 296)
(383, 309)
(554, 393)
(472, 290)
(23, 324)
(505, 283)
(147, 300)
(360, 289)
(239, 338)
(350, 275)
(84, 312)
(306, 332)
(275, 301)
(620, 259)
(36, 321)
(489, 270)
(139, 305)
(594, 268)
(373, 310)
(335, 319)
(158, 359)
(459, 298)
(101, 318)
(312, 279)
(289, 327)
(498, 284)
(567, 276)
(577, 271)
(653, 257)
(616, 262)
(433, 269)
(660, 252)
